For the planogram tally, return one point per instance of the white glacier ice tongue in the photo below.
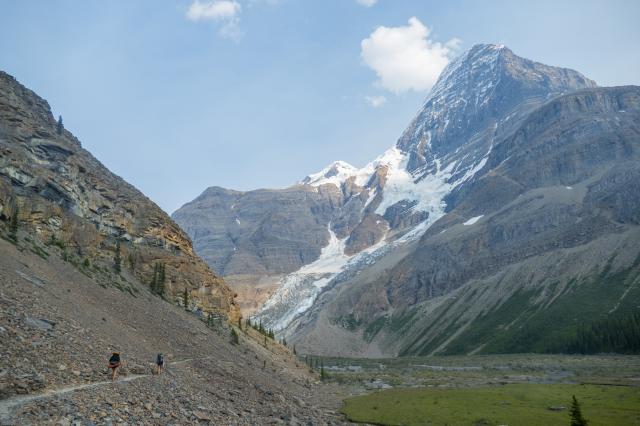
(298, 290)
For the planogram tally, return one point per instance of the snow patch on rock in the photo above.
(473, 220)
(335, 173)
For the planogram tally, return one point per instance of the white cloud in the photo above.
(376, 101)
(404, 58)
(367, 3)
(268, 2)
(226, 12)
(216, 10)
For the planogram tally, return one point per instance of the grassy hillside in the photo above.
(527, 326)
(581, 314)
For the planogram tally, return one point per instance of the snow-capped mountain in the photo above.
(446, 145)
(397, 193)
(336, 256)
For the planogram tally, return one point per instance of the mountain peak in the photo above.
(336, 173)
(478, 63)
(483, 83)
(489, 46)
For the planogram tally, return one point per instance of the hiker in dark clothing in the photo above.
(114, 365)
(159, 363)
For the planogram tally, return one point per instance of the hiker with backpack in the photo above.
(159, 363)
(114, 365)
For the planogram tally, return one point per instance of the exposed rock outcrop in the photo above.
(64, 196)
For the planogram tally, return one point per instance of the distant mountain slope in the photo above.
(285, 235)
(64, 197)
(544, 240)
(503, 220)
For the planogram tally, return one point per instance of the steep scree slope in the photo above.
(64, 196)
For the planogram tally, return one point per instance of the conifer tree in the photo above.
(185, 299)
(117, 260)
(161, 280)
(323, 374)
(234, 337)
(14, 224)
(240, 323)
(294, 350)
(576, 414)
(154, 281)
(131, 259)
(60, 126)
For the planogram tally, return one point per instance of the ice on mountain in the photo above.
(473, 220)
(424, 186)
(336, 173)
(298, 290)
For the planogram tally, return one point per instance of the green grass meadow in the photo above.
(513, 405)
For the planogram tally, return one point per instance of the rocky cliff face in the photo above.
(474, 99)
(260, 232)
(67, 199)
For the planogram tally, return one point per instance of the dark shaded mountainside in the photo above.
(507, 220)
(78, 252)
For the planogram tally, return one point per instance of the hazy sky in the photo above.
(179, 95)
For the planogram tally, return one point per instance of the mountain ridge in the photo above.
(442, 173)
(66, 196)
(421, 287)
(382, 200)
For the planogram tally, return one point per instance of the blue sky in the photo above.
(176, 96)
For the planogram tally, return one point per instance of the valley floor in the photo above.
(516, 404)
(525, 389)
(58, 328)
